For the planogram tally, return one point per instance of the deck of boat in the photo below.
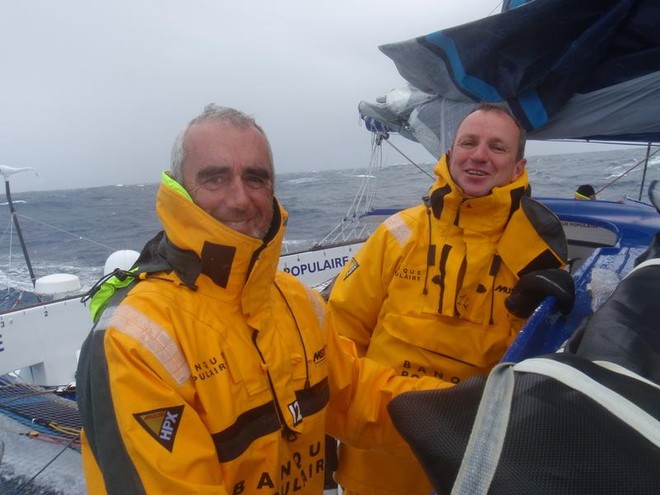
(39, 444)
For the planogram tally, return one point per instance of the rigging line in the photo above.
(7, 229)
(22, 488)
(409, 159)
(362, 201)
(79, 237)
(497, 7)
(52, 439)
(644, 160)
(10, 229)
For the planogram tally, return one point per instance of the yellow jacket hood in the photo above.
(240, 264)
(484, 214)
(508, 214)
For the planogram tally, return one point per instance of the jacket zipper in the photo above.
(494, 270)
(287, 432)
(430, 254)
(300, 336)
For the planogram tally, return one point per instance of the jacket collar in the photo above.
(244, 267)
(486, 214)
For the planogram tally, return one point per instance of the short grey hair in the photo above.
(212, 112)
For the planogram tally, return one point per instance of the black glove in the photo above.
(533, 287)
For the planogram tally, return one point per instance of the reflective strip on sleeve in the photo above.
(398, 228)
(317, 305)
(152, 336)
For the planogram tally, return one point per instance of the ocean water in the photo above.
(74, 231)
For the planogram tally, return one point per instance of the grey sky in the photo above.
(93, 93)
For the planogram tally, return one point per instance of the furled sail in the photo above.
(566, 69)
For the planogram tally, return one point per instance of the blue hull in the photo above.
(633, 226)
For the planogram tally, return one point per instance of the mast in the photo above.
(6, 171)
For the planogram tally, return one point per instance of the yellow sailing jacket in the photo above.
(213, 376)
(426, 293)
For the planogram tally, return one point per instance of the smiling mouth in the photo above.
(237, 222)
(476, 173)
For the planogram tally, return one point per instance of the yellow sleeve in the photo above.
(360, 390)
(139, 430)
(360, 289)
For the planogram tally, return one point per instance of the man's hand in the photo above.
(533, 287)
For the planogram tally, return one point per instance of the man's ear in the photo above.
(519, 168)
(448, 154)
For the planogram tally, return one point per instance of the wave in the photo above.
(301, 180)
(297, 245)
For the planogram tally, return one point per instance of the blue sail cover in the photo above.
(587, 69)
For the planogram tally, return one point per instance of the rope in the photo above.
(64, 430)
(644, 160)
(497, 8)
(28, 483)
(410, 160)
(70, 439)
(76, 236)
(9, 229)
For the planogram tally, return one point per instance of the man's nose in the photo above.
(238, 195)
(480, 153)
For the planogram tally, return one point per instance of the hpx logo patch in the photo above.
(352, 267)
(161, 424)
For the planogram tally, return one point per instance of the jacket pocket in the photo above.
(449, 346)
